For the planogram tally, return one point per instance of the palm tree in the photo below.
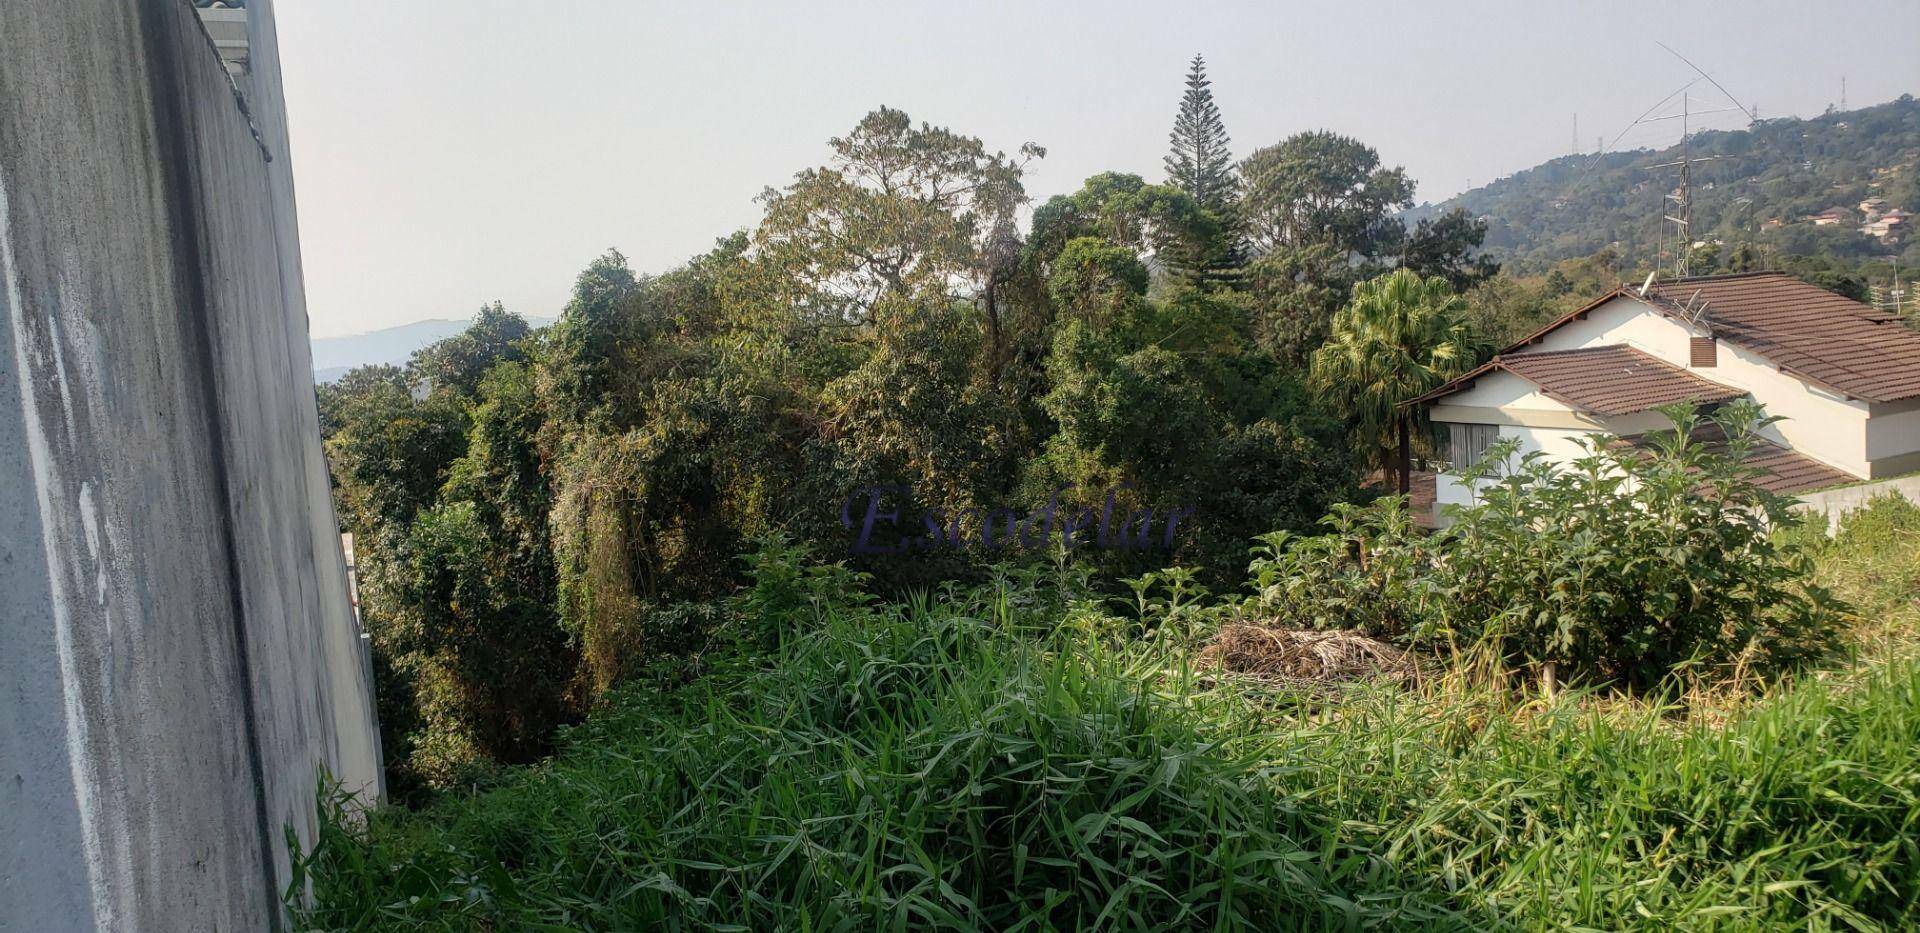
(1401, 335)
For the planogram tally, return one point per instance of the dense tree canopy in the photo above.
(547, 502)
(1324, 189)
(900, 210)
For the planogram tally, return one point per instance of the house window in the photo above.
(1467, 443)
(1703, 351)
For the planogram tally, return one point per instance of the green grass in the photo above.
(955, 762)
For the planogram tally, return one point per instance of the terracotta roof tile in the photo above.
(1811, 332)
(1783, 471)
(1607, 381)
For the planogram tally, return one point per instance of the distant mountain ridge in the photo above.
(1761, 185)
(392, 346)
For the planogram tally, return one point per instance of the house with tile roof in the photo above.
(1843, 377)
(1888, 226)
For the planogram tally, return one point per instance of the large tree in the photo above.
(1324, 189)
(1199, 163)
(1160, 222)
(458, 362)
(1445, 247)
(583, 345)
(901, 213)
(900, 210)
(1318, 213)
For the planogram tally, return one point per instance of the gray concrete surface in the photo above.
(1836, 504)
(178, 658)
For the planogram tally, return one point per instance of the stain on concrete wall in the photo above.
(178, 658)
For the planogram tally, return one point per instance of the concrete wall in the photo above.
(177, 653)
(1835, 504)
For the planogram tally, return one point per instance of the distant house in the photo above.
(1773, 223)
(1831, 217)
(1844, 377)
(1873, 207)
(1889, 226)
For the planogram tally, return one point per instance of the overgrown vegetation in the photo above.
(1872, 561)
(603, 718)
(1011, 756)
(1623, 566)
(532, 509)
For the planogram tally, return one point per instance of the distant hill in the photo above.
(334, 356)
(1768, 182)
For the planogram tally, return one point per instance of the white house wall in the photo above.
(1893, 441)
(1559, 444)
(1818, 423)
(1506, 391)
(1521, 411)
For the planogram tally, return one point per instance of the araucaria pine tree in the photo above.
(1199, 163)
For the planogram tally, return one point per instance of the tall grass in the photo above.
(1803, 810)
(958, 762)
(904, 769)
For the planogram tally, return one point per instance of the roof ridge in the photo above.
(1723, 276)
(1598, 348)
(1584, 379)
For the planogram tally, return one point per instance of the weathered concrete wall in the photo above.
(178, 657)
(1837, 504)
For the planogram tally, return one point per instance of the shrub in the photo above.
(1367, 574)
(1872, 561)
(488, 668)
(790, 595)
(1623, 566)
(1631, 563)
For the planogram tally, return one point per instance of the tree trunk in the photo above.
(994, 355)
(1406, 457)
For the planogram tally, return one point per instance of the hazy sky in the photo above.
(450, 152)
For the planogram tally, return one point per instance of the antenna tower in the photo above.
(1676, 205)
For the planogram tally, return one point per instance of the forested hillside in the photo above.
(1784, 170)
(334, 357)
